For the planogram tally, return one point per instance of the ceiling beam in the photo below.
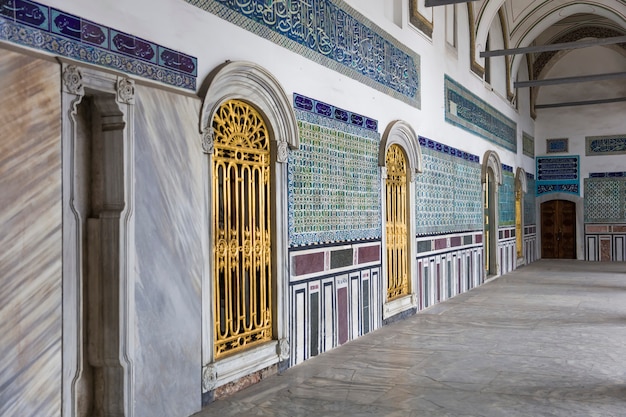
(569, 80)
(555, 46)
(433, 3)
(580, 103)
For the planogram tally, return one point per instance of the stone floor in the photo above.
(546, 340)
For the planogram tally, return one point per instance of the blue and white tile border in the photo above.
(54, 31)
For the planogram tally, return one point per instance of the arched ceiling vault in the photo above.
(535, 26)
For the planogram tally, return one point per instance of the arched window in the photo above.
(242, 235)
(397, 223)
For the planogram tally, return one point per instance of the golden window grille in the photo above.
(396, 223)
(242, 250)
(519, 246)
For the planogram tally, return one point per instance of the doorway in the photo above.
(558, 229)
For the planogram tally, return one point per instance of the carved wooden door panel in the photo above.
(558, 229)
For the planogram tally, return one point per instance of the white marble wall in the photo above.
(168, 214)
(30, 236)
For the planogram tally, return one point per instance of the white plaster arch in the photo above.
(252, 83)
(249, 82)
(520, 175)
(551, 19)
(483, 25)
(401, 133)
(491, 160)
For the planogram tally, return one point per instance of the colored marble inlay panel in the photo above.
(557, 174)
(467, 111)
(441, 243)
(507, 199)
(557, 145)
(341, 258)
(605, 200)
(342, 315)
(448, 193)
(308, 263)
(334, 182)
(455, 241)
(596, 228)
(619, 229)
(605, 250)
(530, 201)
(528, 144)
(330, 33)
(54, 31)
(369, 254)
(605, 145)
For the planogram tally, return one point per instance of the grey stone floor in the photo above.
(546, 340)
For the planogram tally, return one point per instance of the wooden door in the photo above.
(558, 229)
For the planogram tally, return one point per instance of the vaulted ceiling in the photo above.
(593, 73)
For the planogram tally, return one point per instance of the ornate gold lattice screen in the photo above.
(397, 227)
(241, 209)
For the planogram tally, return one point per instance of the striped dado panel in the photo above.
(448, 265)
(605, 242)
(335, 296)
(506, 249)
(530, 244)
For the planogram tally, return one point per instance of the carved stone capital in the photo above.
(207, 140)
(209, 377)
(414, 299)
(383, 173)
(282, 153)
(73, 80)
(283, 349)
(125, 90)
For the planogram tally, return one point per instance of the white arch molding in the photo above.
(491, 161)
(402, 134)
(253, 84)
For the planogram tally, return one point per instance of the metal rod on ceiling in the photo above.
(569, 80)
(433, 3)
(555, 46)
(580, 103)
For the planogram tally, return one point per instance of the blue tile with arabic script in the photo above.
(332, 34)
(37, 26)
(31, 14)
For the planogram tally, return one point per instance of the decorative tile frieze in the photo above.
(334, 182)
(448, 193)
(320, 108)
(605, 200)
(605, 145)
(557, 174)
(607, 174)
(507, 197)
(557, 145)
(330, 33)
(528, 144)
(467, 111)
(54, 31)
(530, 201)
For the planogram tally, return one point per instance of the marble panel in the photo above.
(30, 236)
(169, 214)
